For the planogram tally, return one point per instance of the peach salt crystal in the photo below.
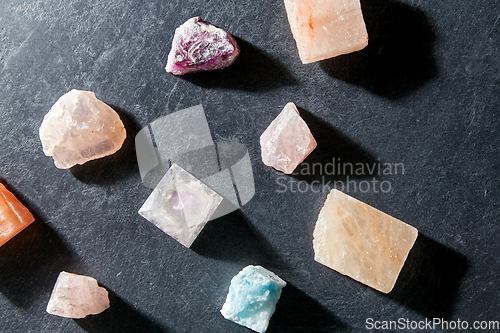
(14, 217)
(287, 141)
(326, 28)
(76, 296)
(362, 242)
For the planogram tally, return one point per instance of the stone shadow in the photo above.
(336, 158)
(430, 279)
(399, 56)
(119, 317)
(120, 165)
(296, 312)
(232, 238)
(253, 70)
(31, 261)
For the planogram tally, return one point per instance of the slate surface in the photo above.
(424, 93)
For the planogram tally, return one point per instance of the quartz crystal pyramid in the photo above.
(326, 28)
(200, 46)
(287, 141)
(362, 242)
(14, 217)
(252, 297)
(79, 128)
(180, 205)
(76, 296)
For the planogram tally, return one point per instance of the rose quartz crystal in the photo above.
(326, 28)
(14, 217)
(362, 242)
(180, 205)
(76, 296)
(287, 141)
(200, 46)
(79, 128)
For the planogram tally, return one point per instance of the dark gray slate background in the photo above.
(425, 92)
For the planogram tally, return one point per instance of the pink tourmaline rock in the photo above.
(180, 205)
(287, 141)
(14, 217)
(362, 242)
(76, 296)
(200, 46)
(79, 128)
(326, 28)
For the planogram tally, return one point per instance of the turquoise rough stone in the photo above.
(252, 297)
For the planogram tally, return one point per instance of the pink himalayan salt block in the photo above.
(200, 46)
(326, 28)
(287, 141)
(76, 296)
(361, 242)
(14, 217)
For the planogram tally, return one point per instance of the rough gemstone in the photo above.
(362, 242)
(200, 46)
(14, 217)
(326, 28)
(252, 297)
(76, 296)
(180, 205)
(79, 128)
(287, 141)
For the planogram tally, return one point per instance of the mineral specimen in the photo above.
(79, 128)
(76, 296)
(200, 46)
(252, 297)
(14, 217)
(326, 28)
(180, 205)
(287, 141)
(362, 242)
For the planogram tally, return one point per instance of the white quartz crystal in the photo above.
(76, 296)
(180, 205)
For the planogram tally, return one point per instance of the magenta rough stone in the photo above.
(200, 46)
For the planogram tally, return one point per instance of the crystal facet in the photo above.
(252, 297)
(362, 242)
(326, 28)
(79, 128)
(200, 46)
(76, 296)
(180, 205)
(14, 217)
(287, 141)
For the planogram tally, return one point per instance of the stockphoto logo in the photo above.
(323, 177)
(184, 138)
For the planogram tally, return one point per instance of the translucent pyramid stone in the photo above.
(252, 297)
(326, 28)
(200, 46)
(76, 296)
(287, 141)
(14, 217)
(362, 242)
(180, 205)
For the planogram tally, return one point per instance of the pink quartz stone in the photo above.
(326, 28)
(287, 141)
(200, 46)
(76, 296)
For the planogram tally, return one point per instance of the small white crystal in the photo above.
(76, 296)
(79, 128)
(180, 205)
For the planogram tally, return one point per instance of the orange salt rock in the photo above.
(14, 217)
(326, 28)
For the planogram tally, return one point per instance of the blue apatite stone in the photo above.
(252, 297)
